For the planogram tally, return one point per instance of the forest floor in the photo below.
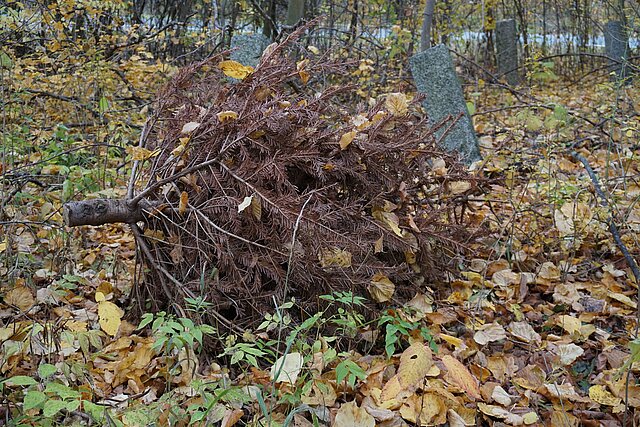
(539, 329)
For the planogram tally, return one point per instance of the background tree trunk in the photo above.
(427, 20)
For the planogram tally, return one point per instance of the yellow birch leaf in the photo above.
(347, 138)
(301, 67)
(3, 246)
(256, 208)
(226, 116)
(390, 220)
(381, 287)
(235, 69)
(109, 316)
(140, 153)
(570, 324)
(461, 376)
(313, 50)
(600, 395)
(377, 117)
(257, 134)
(397, 104)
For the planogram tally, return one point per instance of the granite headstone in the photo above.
(435, 76)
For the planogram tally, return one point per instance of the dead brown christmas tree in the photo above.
(262, 187)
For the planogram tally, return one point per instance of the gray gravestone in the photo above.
(435, 76)
(507, 50)
(616, 45)
(248, 48)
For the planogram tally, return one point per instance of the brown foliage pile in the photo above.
(317, 218)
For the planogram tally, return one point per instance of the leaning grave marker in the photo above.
(507, 50)
(435, 76)
(247, 48)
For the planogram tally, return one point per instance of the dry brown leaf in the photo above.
(415, 362)
(461, 376)
(381, 287)
(397, 104)
(501, 396)
(334, 257)
(428, 409)
(231, 417)
(525, 332)
(184, 202)
(458, 187)
(20, 297)
(568, 353)
(287, 368)
(489, 333)
(350, 415)
(190, 127)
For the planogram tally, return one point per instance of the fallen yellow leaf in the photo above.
(346, 139)
(109, 315)
(226, 116)
(235, 69)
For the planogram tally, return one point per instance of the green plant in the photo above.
(46, 398)
(173, 334)
(397, 328)
(349, 371)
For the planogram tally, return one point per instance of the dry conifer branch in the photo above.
(260, 163)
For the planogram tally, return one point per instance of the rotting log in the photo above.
(105, 211)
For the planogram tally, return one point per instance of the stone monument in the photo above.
(507, 50)
(435, 76)
(248, 48)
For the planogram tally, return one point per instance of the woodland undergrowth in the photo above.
(533, 321)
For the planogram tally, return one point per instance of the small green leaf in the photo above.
(208, 329)
(237, 356)
(33, 399)
(46, 370)
(471, 107)
(146, 319)
(72, 405)
(21, 380)
(52, 407)
(103, 105)
(62, 391)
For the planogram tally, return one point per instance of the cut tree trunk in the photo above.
(106, 211)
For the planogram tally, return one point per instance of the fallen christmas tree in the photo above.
(259, 187)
